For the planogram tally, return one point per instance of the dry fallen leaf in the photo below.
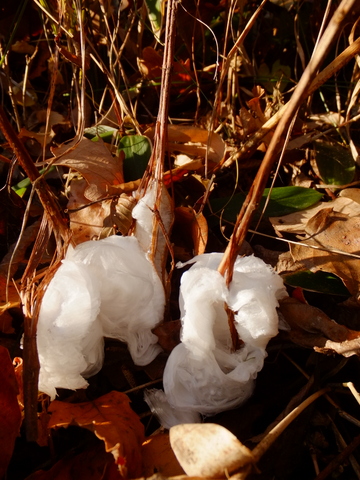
(346, 203)
(111, 418)
(208, 450)
(192, 228)
(312, 328)
(150, 65)
(10, 416)
(158, 457)
(193, 141)
(86, 221)
(332, 230)
(95, 163)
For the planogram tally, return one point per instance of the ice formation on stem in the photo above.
(106, 288)
(203, 375)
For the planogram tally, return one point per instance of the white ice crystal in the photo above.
(143, 213)
(103, 289)
(203, 375)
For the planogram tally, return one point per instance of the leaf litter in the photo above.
(126, 287)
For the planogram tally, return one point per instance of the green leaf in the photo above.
(137, 150)
(321, 282)
(283, 200)
(105, 132)
(155, 11)
(335, 163)
(21, 187)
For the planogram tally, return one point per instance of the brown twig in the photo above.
(54, 220)
(302, 90)
(339, 459)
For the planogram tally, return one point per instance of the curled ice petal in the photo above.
(203, 375)
(69, 337)
(103, 289)
(131, 293)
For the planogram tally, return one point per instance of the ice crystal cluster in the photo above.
(203, 374)
(102, 289)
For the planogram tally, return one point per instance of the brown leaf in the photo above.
(150, 66)
(168, 334)
(332, 230)
(95, 163)
(158, 456)
(111, 418)
(191, 226)
(86, 220)
(193, 141)
(347, 202)
(10, 416)
(312, 328)
(208, 450)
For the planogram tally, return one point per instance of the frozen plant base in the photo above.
(106, 288)
(203, 375)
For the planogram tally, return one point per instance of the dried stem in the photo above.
(302, 90)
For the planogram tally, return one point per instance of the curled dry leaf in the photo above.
(86, 220)
(312, 328)
(191, 226)
(193, 141)
(208, 450)
(90, 221)
(111, 418)
(332, 230)
(10, 416)
(95, 163)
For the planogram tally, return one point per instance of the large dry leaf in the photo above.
(95, 163)
(10, 416)
(208, 450)
(111, 418)
(194, 141)
(332, 230)
(348, 203)
(312, 328)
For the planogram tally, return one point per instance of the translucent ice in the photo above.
(203, 374)
(103, 289)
